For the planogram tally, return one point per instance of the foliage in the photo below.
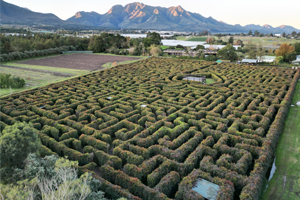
(7, 81)
(227, 53)
(34, 53)
(152, 38)
(52, 177)
(16, 143)
(39, 42)
(231, 40)
(284, 49)
(105, 41)
(199, 47)
(297, 48)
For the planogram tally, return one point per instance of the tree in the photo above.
(297, 48)
(239, 42)
(278, 59)
(16, 143)
(210, 58)
(251, 50)
(231, 39)
(283, 34)
(260, 53)
(152, 38)
(199, 47)
(155, 50)
(210, 40)
(179, 46)
(290, 57)
(227, 53)
(256, 33)
(250, 32)
(284, 49)
(270, 51)
(294, 33)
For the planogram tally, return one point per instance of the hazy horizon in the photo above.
(231, 11)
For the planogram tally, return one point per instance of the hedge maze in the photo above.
(148, 134)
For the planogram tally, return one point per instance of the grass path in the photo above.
(285, 183)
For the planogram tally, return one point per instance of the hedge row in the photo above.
(33, 54)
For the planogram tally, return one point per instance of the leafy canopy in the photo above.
(16, 143)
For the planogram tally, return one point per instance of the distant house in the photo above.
(250, 61)
(297, 61)
(267, 59)
(277, 35)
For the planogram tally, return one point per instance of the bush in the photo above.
(7, 81)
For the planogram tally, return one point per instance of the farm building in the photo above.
(249, 61)
(297, 61)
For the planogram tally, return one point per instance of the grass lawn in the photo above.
(210, 80)
(285, 183)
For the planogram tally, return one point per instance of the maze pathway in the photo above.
(148, 134)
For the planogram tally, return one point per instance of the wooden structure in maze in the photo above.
(224, 133)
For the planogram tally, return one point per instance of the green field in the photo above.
(195, 39)
(262, 40)
(285, 183)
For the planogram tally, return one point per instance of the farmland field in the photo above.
(90, 62)
(149, 134)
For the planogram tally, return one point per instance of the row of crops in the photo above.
(149, 134)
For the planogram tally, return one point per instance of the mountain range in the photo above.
(134, 16)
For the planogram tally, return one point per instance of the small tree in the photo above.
(231, 39)
(283, 34)
(199, 47)
(210, 40)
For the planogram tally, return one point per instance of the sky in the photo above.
(272, 12)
